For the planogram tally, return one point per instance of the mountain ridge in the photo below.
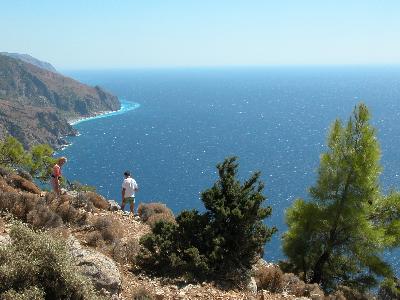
(31, 60)
(36, 104)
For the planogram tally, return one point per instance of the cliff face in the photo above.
(35, 103)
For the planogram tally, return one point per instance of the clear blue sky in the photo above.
(79, 34)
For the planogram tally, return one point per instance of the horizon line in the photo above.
(194, 67)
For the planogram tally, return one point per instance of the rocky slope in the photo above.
(36, 103)
(104, 242)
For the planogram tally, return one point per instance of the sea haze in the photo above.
(274, 119)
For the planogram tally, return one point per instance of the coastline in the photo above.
(125, 107)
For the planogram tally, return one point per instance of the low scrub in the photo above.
(97, 200)
(150, 213)
(142, 293)
(125, 252)
(42, 212)
(36, 266)
(110, 230)
(270, 278)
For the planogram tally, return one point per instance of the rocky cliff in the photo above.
(36, 103)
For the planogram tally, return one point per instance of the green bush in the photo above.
(30, 293)
(35, 266)
(222, 242)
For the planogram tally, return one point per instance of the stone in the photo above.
(314, 291)
(5, 240)
(252, 285)
(100, 269)
(114, 206)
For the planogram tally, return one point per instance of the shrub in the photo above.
(142, 293)
(94, 239)
(80, 187)
(164, 217)
(34, 260)
(4, 187)
(110, 230)
(97, 200)
(30, 293)
(146, 210)
(269, 278)
(42, 217)
(389, 289)
(126, 251)
(293, 284)
(23, 184)
(4, 171)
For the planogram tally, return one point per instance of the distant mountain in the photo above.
(29, 59)
(35, 103)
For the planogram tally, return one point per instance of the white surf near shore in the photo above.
(125, 107)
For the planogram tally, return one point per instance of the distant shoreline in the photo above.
(125, 107)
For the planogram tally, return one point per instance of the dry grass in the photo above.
(4, 187)
(42, 217)
(293, 285)
(2, 226)
(270, 278)
(94, 239)
(142, 293)
(110, 230)
(151, 213)
(47, 212)
(22, 184)
(125, 251)
(98, 201)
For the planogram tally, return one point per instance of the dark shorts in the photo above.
(130, 200)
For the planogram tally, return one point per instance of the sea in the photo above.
(176, 125)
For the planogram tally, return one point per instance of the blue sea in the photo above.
(177, 124)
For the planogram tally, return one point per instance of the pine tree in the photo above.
(222, 242)
(334, 238)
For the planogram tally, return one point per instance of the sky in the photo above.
(97, 34)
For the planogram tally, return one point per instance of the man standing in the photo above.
(129, 187)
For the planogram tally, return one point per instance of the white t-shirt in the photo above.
(130, 186)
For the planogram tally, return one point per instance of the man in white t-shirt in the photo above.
(129, 187)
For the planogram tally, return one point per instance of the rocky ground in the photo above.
(104, 243)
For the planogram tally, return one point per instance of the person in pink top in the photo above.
(56, 175)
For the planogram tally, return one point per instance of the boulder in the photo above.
(114, 206)
(314, 292)
(5, 240)
(101, 269)
(252, 286)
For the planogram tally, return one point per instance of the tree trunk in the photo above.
(318, 268)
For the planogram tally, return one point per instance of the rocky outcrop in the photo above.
(101, 269)
(36, 103)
